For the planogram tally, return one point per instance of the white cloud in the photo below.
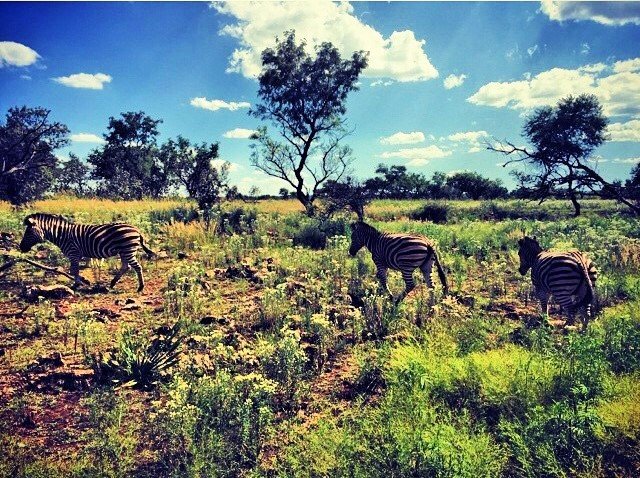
(84, 80)
(585, 49)
(471, 138)
(453, 81)
(25, 77)
(266, 184)
(215, 105)
(629, 131)
(468, 136)
(400, 56)
(16, 54)
(606, 13)
(531, 50)
(86, 138)
(239, 133)
(381, 83)
(219, 162)
(403, 138)
(619, 92)
(627, 160)
(417, 156)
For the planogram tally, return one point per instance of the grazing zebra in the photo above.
(569, 277)
(402, 252)
(87, 240)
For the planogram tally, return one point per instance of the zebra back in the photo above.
(89, 240)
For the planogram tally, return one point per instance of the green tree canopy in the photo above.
(128, 164)
(304, 97)
(28, 140)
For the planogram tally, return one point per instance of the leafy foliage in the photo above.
(28, 140)
(136, 363)
(304, 96)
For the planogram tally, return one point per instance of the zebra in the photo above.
(87, 240)
(401, 252)
(569, 277)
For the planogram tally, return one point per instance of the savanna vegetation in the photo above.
(260, 348)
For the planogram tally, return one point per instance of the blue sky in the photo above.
(443, 77)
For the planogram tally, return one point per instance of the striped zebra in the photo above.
(87, 240)
(401, 252)
(569, 277)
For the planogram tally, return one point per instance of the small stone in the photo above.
(56, 292)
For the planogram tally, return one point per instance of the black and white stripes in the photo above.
(402, 252)
(79, 241)
(567, 276)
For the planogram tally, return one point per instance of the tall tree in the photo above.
(304, 97)
(475, 186)
(28, 140)
(563, 139)
(192, 166)
(128, 165)
(73, 177)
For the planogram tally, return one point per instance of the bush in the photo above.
(622, 344)
(136, 363)
(314, 234)
(437, 213)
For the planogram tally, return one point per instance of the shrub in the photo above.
(214, 425)
(437, 213)
(314, 234)
(136, 363)
(622, 344)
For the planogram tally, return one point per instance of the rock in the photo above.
(103, 314)
(208, 320)
(53, 360)
(56, 292)
(182, 255)
(162, 255)
(131, 305)
(2, 352)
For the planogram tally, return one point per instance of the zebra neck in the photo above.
(372, 240)
(56, 232)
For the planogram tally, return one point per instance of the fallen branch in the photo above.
(12, 260)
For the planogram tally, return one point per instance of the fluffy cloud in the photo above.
(453, 81)
(616, 86)
(471, 138)
(629, 131)
(16, 54)
(239, 133)
(606, 13)
(400, 56)
(215, 105)
(84, 80)
(417, 156)
(403, 138)
(627, 160)
(218, 163)
(86, 138)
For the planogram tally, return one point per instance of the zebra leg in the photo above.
(123, 269)
(543, 297)
(407, 275)
(381, 274)
(75, 271)
(426, 268)
(133, 262)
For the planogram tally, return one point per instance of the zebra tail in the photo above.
(441, 274)
(591, 295)
(149, 252)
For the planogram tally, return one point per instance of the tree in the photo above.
(192, 166)
(283, 193)
(304, 96)
(475, 186)
(73, 177)
(128, 165)
(346, 193)
(394, 182)
(28, 140)
(563, 138)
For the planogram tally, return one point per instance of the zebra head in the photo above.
(528, 252)
(358, 234)
(33, 234)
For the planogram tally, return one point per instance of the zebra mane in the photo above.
(38, 216)
(365, 227)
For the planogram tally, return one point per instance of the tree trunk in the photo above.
(576, 204)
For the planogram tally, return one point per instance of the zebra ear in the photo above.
(535, 238)
(29, 221)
